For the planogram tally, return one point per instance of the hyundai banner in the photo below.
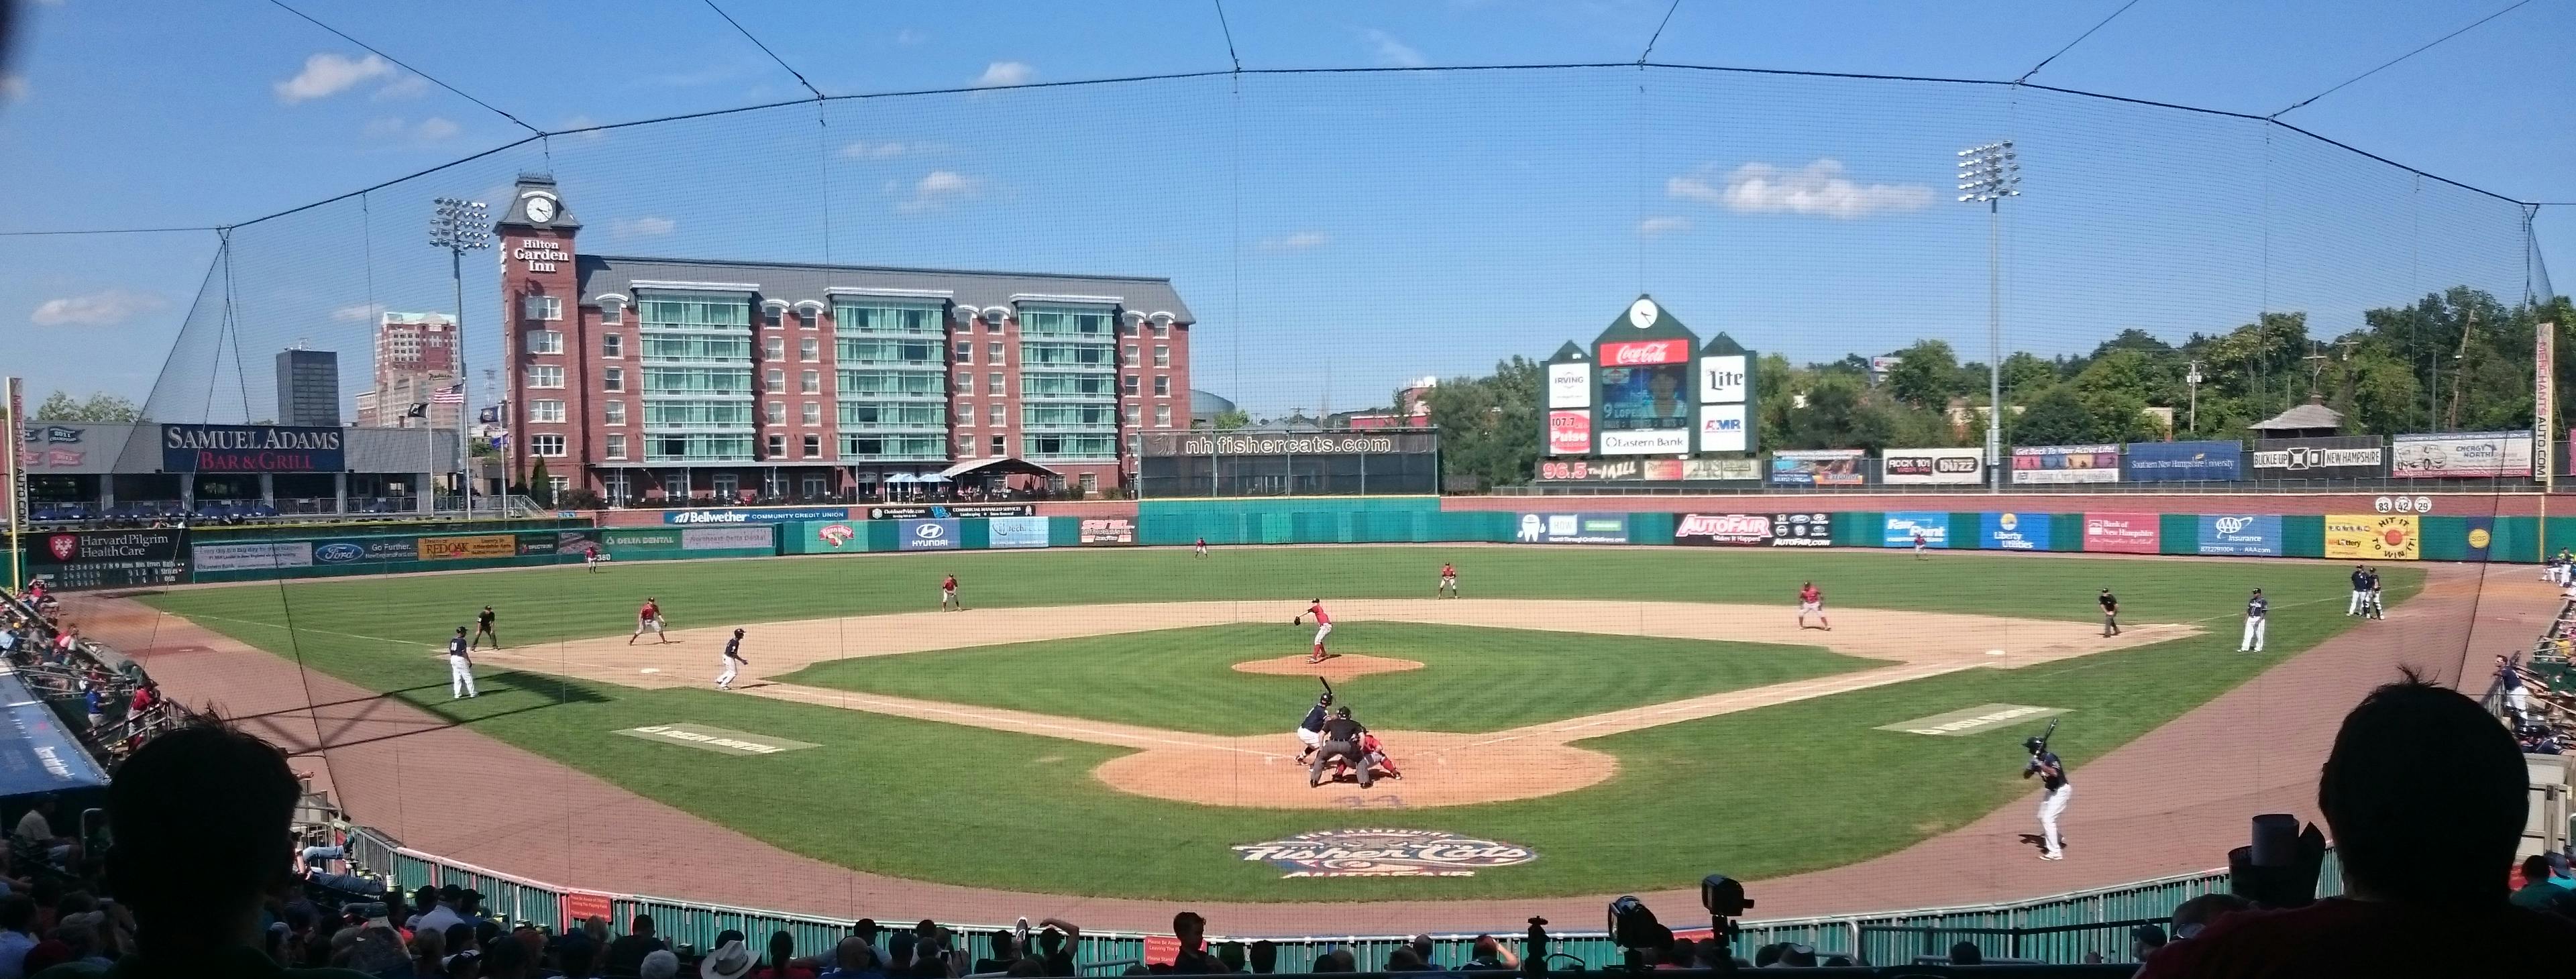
(2169, 462)
(1929, 467)
(2043, 465)
(1573, 528)
(1818, 467)
(2013, 531)
(2241, 535)
(926, 535)
(2460, 454)
(1018, 531)
(1903, 527)
(2123, 533)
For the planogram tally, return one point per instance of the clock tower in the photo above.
(545, 333)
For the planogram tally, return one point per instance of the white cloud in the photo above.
(643, 227)
(430, 130)
(1297, 242)
(328, 74)
(1004, 74)
(405, 87)
(908, 37)
(359, 313)
(1654, 227)
(106, 308)
(434, 129)
(13, 88)
(1392, 53)
(864, 150)
(1819, 188)
(936, 189)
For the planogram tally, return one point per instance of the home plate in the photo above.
(1994, 652)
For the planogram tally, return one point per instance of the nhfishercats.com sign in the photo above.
(1384, 853)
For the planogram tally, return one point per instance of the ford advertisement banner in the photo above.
(1930, 467)
(2241, 535)
(926, 535)
(2460, 454)
(367, 550)
(1573, 528)
(1017, 531)
(765, 515)
(2013, 531)
(2045, 465)
(1901, 528)
(2329, 457)
(2124, 533)
(2171, 462)
(1818, 467)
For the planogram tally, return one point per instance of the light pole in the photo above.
(461, 226)
(2192, 377)
(1990, 173)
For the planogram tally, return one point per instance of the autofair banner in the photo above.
(1925, 467)
(2056, 464)
(2460, 454)
(1754, 530)
(2327, 457)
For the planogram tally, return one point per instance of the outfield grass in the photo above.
(1782, 789)
(1184, 679)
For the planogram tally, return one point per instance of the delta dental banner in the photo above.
(2057, 464)
(2123, 533)
(1923, 467)
(1818, 467)
(2013, 531)
(1901, 528)
(2374, 537)
(2460, 454)
(2240, 535)
(2165, 462)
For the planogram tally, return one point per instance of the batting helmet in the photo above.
(2033, 744)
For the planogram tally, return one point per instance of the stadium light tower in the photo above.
(461, 226)
(1988, 174)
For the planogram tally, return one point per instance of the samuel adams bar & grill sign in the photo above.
(251, 449)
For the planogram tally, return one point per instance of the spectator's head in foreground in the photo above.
(2425, 795)
(643, 926)
(661, 964)
(201, 818)
(2191, 916)
(1265, 957)
(1231, 953)
(1189, 927)
(2535, 869)
(2144, 940)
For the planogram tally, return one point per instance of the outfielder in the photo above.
(1201, 549)
(2257, 609)
(460, 667)
(948, 595)
(732, 661)
(1448, 582)
(1310, 732)
(2360, 604)
(1811, 600)
(1919, 544)
(649, 619)
(2057, 788)
(1323, 627)
(590, 557)
(483, 628)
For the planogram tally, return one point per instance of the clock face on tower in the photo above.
(541, 209)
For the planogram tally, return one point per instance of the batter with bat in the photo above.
(1310, 732)
(2056, 789)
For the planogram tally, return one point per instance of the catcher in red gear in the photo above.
(1375, 755)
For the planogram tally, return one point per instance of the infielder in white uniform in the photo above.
(460, 667)
(732, 661)
(2256, 611)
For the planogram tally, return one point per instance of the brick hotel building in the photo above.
(653, 378)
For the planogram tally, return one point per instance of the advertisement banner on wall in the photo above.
(1018, 531)
(943, 511)
(2480, 536)
(926, 535)
(252, 557)
(1721, 428)
(1654, 470)
(1569, 433)
(2374, 537)
(2329, 457)
(2040, 465)
(468, 548)
(2168, 462)
(1903, 527)
(765, 515)
(1723, 530)
(2012, 531)
(2460, 454)
(1569, 385)
(2123, 533)
(73, 559)
(728, 538)
(1645, 442)
(622, 539)
(252, 449)
(1107, 531)
(1722, 379)
(1925, 467)
(1573, 528)
(2241, 535)
(1818, 467)
(575, 541)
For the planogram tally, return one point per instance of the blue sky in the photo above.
(1332, 233)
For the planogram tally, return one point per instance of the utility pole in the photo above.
(2460, 368)
(461, 226)
(2191, 376)
(1989, 173)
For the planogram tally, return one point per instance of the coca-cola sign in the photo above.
(1384, 853)
(1635, 352)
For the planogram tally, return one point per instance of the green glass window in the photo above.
(902, 318)
(900, 414)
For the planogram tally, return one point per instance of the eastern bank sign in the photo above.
(252, 449)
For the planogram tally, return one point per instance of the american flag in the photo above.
(453, 394)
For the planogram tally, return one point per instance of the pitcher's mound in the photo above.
(1339, 667)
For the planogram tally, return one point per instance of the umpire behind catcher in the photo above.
(1341, 742)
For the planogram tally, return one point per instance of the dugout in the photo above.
(1341, 463)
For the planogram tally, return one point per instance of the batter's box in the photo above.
(1972, 720)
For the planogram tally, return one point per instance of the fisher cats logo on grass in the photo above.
(1384, 853)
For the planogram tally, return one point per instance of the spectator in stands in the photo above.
(1489, 954)
(2536, 892)
(1341, 958)
(469, 906)
(2191, 916)
(1768, 955)
(1796, 956)
(1422, 949)
(36, 833)
(2425, 796)
(899, 953)
(17, 934)
(854, 958)
(1002, 954)
(1193, 959)
(1231, 954)
(782, 959)
(1057, 943)
(428, 954)
(507, 959)
(461, 937)
(2144, 940)
(626, 955)
(1403, 959)
(579, 959)
(1264, 959)
(657, 964)
(730, 960)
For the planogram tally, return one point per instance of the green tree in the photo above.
(1926, 375)
(1231, 419)
(1489, 426)
(540, 487)
(2057, 416)
(62, 407)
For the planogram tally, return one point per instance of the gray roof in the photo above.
(1207, 404)
(794, 282)
(2310, 415)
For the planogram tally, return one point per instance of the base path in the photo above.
(2173, 801)
(1440, 768)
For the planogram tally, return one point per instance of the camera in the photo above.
(1723, 896)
